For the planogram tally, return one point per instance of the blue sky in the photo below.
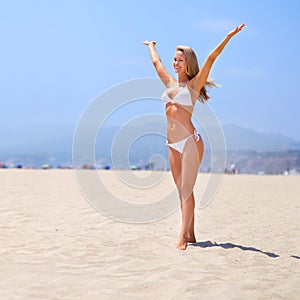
(56, 56)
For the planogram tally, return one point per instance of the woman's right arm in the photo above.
(160, 69)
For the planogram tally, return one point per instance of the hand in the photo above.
(148, 43)
(236, 30)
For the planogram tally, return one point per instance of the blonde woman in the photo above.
(184, 143)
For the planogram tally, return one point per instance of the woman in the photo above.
(185, 144)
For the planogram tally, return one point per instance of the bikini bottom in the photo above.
(179, 146)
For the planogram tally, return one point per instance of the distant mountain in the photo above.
(240, 138)
(52, 142)
(34, 144)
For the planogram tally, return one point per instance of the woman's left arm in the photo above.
(201, 77)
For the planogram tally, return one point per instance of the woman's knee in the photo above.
(185, 193)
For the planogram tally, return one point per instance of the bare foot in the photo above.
(191, 238)
(182, 244)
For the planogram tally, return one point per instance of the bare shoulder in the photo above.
(170, 81)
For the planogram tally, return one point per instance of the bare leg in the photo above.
(190, 163)
(191, 234)
(187, 212)
(175, 164)
(184, 171)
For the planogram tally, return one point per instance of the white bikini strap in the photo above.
(196, 135)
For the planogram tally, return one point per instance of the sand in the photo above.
(56, 245)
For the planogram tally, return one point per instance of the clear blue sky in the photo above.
(57, 55)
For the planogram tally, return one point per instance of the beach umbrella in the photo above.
(133, 167)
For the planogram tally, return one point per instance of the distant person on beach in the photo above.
(184, 143)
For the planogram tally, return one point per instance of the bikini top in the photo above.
(182, 97)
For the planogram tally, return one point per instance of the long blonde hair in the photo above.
(193, 69)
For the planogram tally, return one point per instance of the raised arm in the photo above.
(160, 69)
(200, 79)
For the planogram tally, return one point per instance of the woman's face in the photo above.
(179, 62)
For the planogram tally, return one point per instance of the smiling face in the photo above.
(180, 63)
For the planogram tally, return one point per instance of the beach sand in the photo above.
(56, 245)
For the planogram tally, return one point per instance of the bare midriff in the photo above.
(179, 123)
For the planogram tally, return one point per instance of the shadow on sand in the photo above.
(295, 256)
(209, 244)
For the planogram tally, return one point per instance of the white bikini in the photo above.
(183, 97)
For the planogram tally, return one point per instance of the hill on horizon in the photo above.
(53, 142)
